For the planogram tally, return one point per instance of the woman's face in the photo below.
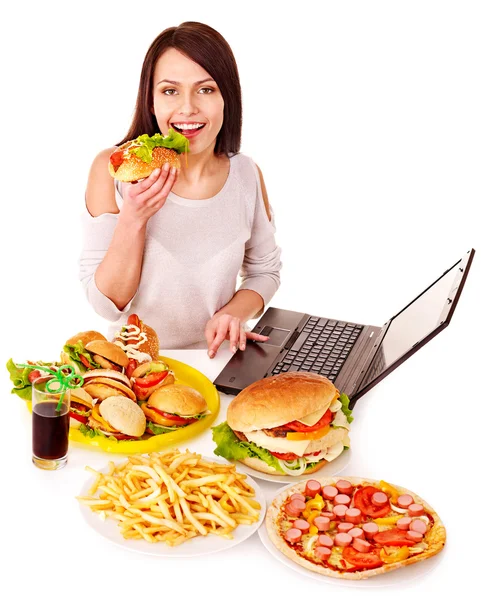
(184, 95)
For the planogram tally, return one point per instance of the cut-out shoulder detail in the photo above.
(100, 191)
(264, 193)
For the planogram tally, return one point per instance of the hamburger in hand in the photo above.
(138, 158)
(172, 407)
(90, 350)
(289, 424)
(116, 417)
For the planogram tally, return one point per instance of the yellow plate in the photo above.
(183, 374)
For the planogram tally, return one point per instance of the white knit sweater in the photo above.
(194, 252)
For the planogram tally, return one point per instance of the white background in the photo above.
(373, 125)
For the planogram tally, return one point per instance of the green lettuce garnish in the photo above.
(230, 447)
(88, 431)
(345, 401)
(91, 433)
(75, 351)
(20, 378)
(159, 429)
(174, 141)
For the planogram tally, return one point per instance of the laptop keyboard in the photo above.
(322, 347)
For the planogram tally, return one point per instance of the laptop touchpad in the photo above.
(277, 337)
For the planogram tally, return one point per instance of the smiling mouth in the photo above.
(181, 127)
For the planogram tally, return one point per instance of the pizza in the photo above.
(353, 528)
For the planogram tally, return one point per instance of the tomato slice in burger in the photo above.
(363, 500)
(363, 560)
(79, 418)
(393, 537)
(84, 361)
(175, 418)
(117, 159)
(285, 456)
(323, 421)
(151, 379)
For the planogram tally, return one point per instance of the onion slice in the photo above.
(291, 471)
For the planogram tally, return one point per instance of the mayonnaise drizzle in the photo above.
(131, 350)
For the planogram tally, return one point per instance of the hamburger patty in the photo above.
(276, 432)
(240, 436)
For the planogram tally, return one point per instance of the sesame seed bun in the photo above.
(277, 400)
(123, 414)
(133, 168)
(85, 337)
(178, 399)
(108, 350)
(152, 345)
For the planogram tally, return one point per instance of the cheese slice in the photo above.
(335, 405)
(274, 444)
(314, 417)
(334, 451)
(340, 420)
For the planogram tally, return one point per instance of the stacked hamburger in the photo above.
(127, 390)
(289, 424)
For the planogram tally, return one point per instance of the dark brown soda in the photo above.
(50, 430)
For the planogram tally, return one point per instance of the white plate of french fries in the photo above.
(173, 503)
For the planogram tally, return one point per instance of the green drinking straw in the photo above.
(60, 381)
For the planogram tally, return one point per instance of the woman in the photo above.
(170, 247)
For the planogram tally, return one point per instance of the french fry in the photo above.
(171, 497)
(186, 510)
(219, 512)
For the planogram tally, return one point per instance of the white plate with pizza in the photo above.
(333, 467)
(350, 530)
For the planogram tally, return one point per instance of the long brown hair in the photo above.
(205, 46)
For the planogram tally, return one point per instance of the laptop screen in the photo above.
(417, 323)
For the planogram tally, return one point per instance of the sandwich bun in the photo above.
(101, 388)
(81, 397)
(280, 399)
(133, 168)
(152, 345)
(108, 350)
(123, 414)
(85, 337)
(108, 373)
(260, 465)
(178, 399)
(142, 369)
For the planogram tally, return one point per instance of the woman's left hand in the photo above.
(227, 327)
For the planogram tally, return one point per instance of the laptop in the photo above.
(354, 357)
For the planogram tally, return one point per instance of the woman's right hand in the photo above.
(143, 199)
